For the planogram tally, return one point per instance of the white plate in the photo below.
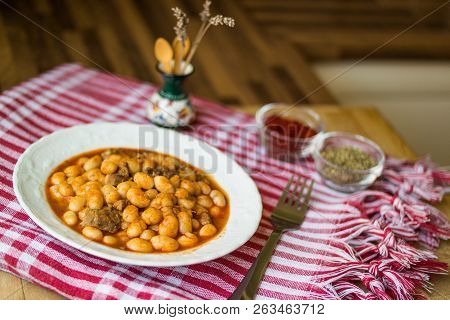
(36, 163)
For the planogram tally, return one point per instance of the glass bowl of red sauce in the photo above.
(287, 130)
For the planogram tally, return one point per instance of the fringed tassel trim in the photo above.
(383, 264)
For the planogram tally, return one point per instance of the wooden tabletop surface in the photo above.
(118, 36)
(362, 120)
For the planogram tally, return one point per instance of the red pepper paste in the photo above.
(285, 138)
(289, 128)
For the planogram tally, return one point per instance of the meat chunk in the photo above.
(114, 179)
(160, 171)
(123, 170)
(204, 218)
(106, 219)
(122, 174)
(187, 173)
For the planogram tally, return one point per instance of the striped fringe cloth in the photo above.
(354, 246)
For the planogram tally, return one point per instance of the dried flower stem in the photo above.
(198, 38)
(204, 17)
(181, 25)
(207, 21)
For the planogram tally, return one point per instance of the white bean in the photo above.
(130, 213)
(134, 230)
(188, 240)
(92, 163)
(218, 198)
(143, 180)
(164, 243)
(162, 184)
(169, 226)
(205, 201)
(110, 240)
(77, 203)
(139, 245)
(152, 216)
(147, 234)
(185, 222)
(92, 233)
(58, 178)
(137, 197)
(70, 218)
(207, 230)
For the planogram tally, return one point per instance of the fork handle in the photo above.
(261, 264)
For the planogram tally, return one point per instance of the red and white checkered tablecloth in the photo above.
(344, 241)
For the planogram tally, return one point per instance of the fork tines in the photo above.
(292, 196)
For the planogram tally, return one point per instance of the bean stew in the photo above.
(137, 200)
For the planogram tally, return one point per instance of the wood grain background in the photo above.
(265, 58)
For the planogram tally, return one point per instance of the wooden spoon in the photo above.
(164, 54)
(186, 46)
(178, 57)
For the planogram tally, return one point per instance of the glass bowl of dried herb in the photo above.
(347, 162)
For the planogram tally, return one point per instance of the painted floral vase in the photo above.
(171, 106)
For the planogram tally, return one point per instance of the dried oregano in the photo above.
(346, 160)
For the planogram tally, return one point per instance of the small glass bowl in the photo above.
(343, 179)
(280, 146)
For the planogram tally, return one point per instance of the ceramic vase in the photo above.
(171, 106)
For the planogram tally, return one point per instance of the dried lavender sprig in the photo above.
(205, 14)
(215, 21)
(182, 22)
(220, 20)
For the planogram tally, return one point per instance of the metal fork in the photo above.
(288, 214)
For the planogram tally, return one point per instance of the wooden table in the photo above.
(362, 120)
